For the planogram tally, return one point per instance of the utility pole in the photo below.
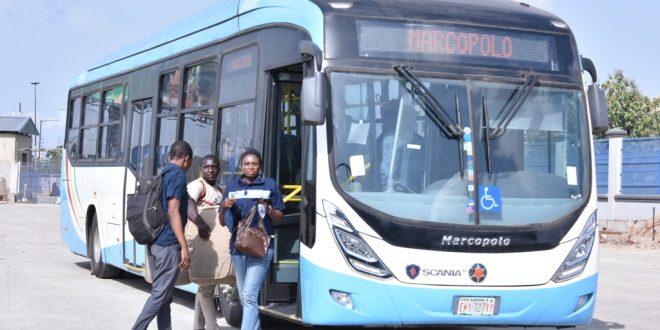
(35, 83)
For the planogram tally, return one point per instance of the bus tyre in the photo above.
(230, 305)
(99, 269)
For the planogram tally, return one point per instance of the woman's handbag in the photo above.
(249, 240)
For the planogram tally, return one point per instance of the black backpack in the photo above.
(144, 211)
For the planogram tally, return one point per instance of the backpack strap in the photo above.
(202, 194)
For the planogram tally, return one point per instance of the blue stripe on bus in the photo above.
(392, 303)
(113, 255)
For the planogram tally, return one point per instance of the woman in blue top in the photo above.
(241, 195)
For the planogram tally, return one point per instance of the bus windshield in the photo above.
(392, 154)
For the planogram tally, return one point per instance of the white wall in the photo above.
(7, 147)
(12, 146)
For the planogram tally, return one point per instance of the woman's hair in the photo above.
(250, 151)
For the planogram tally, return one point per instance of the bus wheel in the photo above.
(100, 269)
(230, 305)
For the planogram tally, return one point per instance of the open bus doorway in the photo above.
(282, 161)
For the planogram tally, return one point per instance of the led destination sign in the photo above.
(456, 44)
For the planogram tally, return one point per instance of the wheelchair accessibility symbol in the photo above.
(490, 199)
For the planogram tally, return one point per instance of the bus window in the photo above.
(236, 126)
(170, 86)
(197, 131)
(140, 134)
(199, 114)
(166, 136)
(89, 133)
(73, 127)
(112, 113)
(199, 85)
(167, 116)
(239, 76)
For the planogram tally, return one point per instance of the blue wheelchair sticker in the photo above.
(490, 199)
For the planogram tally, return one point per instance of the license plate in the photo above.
(476, 306)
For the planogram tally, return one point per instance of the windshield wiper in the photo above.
(512, 106)
(486, 127)
(436, 112)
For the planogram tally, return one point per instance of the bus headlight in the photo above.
(579, 256)
(354, 246)
(356, 251)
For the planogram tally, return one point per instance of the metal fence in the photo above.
(602, 156)
(640, 166)
(39, 182)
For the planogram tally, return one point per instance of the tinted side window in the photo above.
(140, 135)
(199, 85)
(198, 132)
(236, 126)
(238, 80)
(167, 116)
(89, 132)
(112, 113)
(73, 127)
(199, 111)
(170, 86)
(88, 138)
(91, 111)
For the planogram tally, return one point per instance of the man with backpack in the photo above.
(168, 253)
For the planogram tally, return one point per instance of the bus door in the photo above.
(139, 164)
(281, 284)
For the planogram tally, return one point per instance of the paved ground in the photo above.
(44, 286)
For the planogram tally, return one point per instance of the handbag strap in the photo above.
(260, 221)
(245, 220)
(255, 213)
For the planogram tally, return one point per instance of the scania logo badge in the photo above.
(412, 271)
(478, 273)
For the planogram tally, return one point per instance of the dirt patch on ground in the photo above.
(640, 234)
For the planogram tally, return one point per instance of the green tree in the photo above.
(55, 154)
(639, 115)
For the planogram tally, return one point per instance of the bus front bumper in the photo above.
(390, 302)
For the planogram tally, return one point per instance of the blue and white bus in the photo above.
(436, 156)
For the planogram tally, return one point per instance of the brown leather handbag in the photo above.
(250, 240)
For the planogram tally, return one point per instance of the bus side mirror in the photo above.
(313, 96)
(596, 98)
(597, 107)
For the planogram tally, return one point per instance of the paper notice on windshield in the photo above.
(357, 165)
(571, 175)
(358, 133)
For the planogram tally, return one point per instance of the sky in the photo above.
(53, 41)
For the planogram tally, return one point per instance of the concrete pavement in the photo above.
(45, 286)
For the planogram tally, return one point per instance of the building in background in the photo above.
(16, 134)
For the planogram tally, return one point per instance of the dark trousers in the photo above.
(164, 265)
